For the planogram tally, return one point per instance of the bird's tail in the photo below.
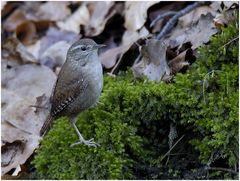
(47, 125)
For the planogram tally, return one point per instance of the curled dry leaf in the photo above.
(25, 27)
(80, 17)
(55, 55)
(54, 10)
(101, 12)
(55, 35)
(181, 61)
(26, 32)
(197, 33)
(225, 18)
(136, 14)
(153, 63)
(22, 85)
(109, 57)
(14, 50)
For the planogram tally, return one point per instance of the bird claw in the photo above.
(86, 142)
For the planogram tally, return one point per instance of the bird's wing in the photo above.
(69, 85)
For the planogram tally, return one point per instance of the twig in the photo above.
(117, 64)
(172, 147)
(169, 25)
(222, 169)
(137, 59)
(17, 127)
(234, 39)
(205, 78)
(161, 16)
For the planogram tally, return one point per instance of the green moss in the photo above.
(132, 122)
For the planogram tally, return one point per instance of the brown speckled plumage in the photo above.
(79, 84)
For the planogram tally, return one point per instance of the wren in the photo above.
(78, 86)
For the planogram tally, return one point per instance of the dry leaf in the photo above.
(14, 50)
(160, 10)
(22, 85)
(9, 150)
(197, 33)
(153, 63)
(109, 57)
(193, 16)
(180, 61)
(42, 102)
(55, 35)
(136, 14)
(229, 4)
(15, 19)
(216, 5)
(55, 55)
(26, 32)
(225, 18)
(34, 48)
(26, 27)
(80, 17)
(54, 11)
(101, 12)
(20, 176)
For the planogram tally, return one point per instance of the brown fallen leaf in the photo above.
(26, 32)
(21, 176)
(22, 85)
(55, 55)
(8, 7)
(193, 16)
(100, 13)
(180, 61)
(10, 150)
(136, 14)
(53, 10)
(80, 17)
(225, 18)
(15, 19)
(54, 35)
(25, 26)
(109, 57)
(198, 33)
(153, 63)
(14, 50)
(160, 10)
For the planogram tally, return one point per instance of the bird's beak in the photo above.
(99, 46)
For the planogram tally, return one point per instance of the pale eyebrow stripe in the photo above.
(76, 47)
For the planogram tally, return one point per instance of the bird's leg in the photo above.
(82, 140)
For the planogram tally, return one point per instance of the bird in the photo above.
(78, 87)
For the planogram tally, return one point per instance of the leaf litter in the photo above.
(37, 35)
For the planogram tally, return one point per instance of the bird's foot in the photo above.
(86, 142)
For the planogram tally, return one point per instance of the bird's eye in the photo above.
(83, 48)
